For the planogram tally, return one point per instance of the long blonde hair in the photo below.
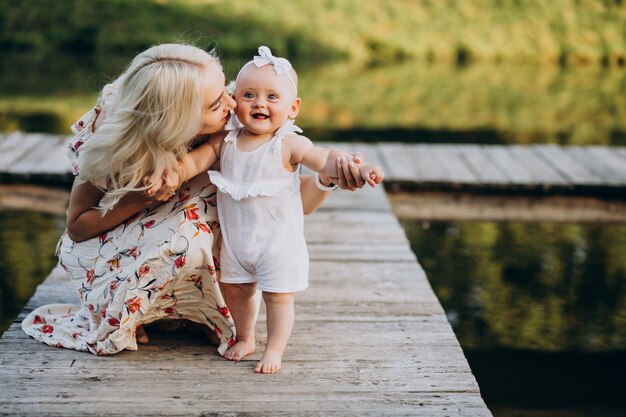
(157, 112)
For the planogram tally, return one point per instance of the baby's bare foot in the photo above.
(240, 350)
(270, 362)
(141, 335)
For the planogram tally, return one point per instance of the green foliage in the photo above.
(565, 31)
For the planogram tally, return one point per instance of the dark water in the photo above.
(539, 309)
(27, 244)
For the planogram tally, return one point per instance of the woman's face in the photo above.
(217, 102)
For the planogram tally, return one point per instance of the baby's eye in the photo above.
(248, 95)
(273, 97)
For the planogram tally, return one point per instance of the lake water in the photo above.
(539, 309)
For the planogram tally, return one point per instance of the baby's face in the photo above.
(265, 101)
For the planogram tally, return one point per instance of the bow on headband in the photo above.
(281, 65)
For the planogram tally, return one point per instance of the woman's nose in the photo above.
(230, 102)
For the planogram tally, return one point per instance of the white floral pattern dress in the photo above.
(159, 264)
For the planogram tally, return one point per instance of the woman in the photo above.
(134, 258)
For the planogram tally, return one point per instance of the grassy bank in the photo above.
(558, 31)
(410, 102)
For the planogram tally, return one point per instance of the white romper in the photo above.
(261, 218)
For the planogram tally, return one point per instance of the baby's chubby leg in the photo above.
(280, 318)
(241, 303)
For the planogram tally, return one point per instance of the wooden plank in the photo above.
(14, 147)
(596, 164)
(398, 162)
(541, 172)
(485, 171)
(612, 159)
(56, 161)
(29, 163)
(454, 165)
(427, 165)
(512, 169)
(567, 165)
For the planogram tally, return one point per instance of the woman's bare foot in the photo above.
(240, 350)
(270, 362)
(141, 335)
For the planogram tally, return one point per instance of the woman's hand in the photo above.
(163, 186)
(349, 175)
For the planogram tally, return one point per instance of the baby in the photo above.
(259, 203)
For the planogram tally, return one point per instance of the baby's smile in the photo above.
(260, 116)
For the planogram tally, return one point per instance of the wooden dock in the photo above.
(515, 169)
(370, 339)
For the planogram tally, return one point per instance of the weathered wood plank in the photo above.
(541, 172)
(596, 164)
(29, 163)
(512, 169)
(15, 147)
(397, 161)
(567, 165)
(484, 169)
(612, 159)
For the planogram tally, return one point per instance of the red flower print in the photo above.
(75, 335)
(78, 143)
(231, 341)
(203, 227)
(91, 308)
(224, 311)
(38, 320)
(103, 237)
(169, 310)
(180, 261)
(143, 270)
(133, 252)
(149, 224)
(192, 214)
(58, 345)
(133, 304)
(113, 285)
(91, 276)
(104, 313)
(80, 125)
(113, 322)
(47, 329)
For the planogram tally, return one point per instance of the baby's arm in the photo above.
(193, 163)
(300, 149)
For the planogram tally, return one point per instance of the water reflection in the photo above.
(539, 309)
(544, 287)
(27, 242)
(414, 102)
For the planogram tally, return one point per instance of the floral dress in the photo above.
(159, 264)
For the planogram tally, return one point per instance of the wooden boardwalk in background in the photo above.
(370, 339)
(491, 168)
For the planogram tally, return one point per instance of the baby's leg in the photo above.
(141, 335)
(240, 301)
(280, 318)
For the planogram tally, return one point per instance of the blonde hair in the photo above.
(155, 114)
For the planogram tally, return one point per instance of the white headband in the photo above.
(265, 57)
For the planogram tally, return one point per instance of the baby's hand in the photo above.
(162, 187)
(372, 174)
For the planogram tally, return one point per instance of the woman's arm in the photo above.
(85, 221)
